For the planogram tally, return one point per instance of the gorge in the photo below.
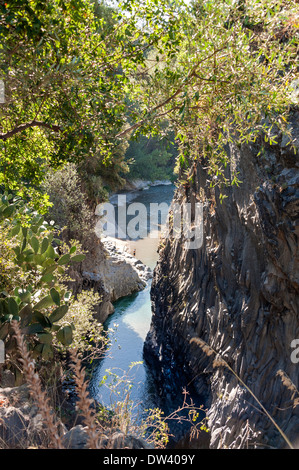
(128, 326)
(130, 105)
(238, 294)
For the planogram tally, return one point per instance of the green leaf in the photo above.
(58, 313)
(12, 305)
(42, 319)
(65, 335)
(46, 302)
(33, 329)
(34, 243)
(24, 231)
(50, 252)
(24, 243)
(8, 211)
(55, 328)
(64, 259)
(34, 228)
(44, 245)
(55, 296)
(49, 266)
(20, 259)
(77, 258)
(26, 315)
(25, 311)
(15, 230)
(44, 350)
(45, 338)
(47, 278)
(38, 259)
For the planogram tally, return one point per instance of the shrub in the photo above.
(69, 208)
(31, 291)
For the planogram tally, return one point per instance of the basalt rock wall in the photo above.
(239, 293)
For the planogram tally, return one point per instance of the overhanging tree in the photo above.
(67, 72)
(233, 79)
(77, 85)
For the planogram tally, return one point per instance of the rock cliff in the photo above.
(239, 293)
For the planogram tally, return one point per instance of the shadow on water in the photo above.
(127, 328)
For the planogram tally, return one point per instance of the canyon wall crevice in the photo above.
(239, 293)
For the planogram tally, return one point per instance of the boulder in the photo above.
(75, 438)
(120, 440)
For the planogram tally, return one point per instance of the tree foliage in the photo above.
(67, 68)
(151, 159)
(232, 78)
(79, 79)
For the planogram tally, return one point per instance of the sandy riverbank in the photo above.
(145, 249)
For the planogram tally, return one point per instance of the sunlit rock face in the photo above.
(239, 293)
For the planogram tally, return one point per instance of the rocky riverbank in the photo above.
(22, 427)
(113, 272)
(138, 185)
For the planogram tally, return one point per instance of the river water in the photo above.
(122, 373)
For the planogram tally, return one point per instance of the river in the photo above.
(115, 378)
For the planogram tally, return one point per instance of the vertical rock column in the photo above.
(239, 293)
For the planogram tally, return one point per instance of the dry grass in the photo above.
(39, 396)
(36, 392)
(287, 382)
(85, 403)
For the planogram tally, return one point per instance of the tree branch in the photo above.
(140, 123)
(191, 74)
(23, 127)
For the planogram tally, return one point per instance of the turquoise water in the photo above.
(128, 327)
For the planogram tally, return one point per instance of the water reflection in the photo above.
(132, 316)
(130, 323)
